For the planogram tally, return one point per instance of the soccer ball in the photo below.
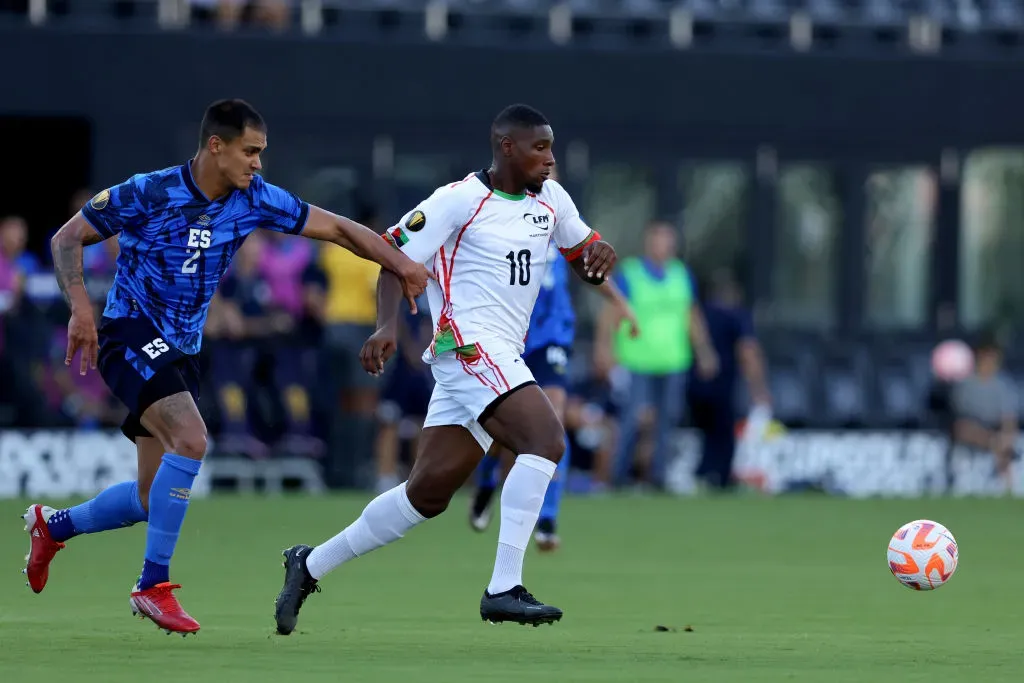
(923, 555)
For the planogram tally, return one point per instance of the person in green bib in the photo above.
(673, 337)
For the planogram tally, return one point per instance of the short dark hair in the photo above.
(228, 119)
(520, 116)
(987, 339)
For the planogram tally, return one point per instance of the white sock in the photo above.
(521, 498)
(385, 519)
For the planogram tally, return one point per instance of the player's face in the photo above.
(239, 160)
(532, 155)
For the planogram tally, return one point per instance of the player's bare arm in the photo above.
(707, 358)
(620, 305)
(365, 243)
(382, 344)
(66, 247)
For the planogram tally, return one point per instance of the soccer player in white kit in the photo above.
(486, 238)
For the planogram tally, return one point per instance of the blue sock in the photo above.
(553, 496)
(115, 507)
(487, 472)
(168, 501)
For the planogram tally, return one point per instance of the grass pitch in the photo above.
(786, 589)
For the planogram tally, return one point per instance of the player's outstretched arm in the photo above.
(66, 247)
(365, 243)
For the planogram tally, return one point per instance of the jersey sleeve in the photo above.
(572, 234)
(280, 210)
(116, 209)
(425, 229)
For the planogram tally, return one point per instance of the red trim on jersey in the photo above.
(459, 182)
(491, 364)
(451, 266)
(547, 206)
(573, 253)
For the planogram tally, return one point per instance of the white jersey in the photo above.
(489, 252)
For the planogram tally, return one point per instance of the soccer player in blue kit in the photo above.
(549, 343)
(178, 229)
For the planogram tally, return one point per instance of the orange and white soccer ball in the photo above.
(923, 555)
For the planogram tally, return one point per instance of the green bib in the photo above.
(663, 310)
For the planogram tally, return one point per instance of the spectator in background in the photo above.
(253, 347)
(23, 343)
(284, 264)
(350, 317)
(82, 401)
(406, 395)
(238, 320)
(661, 292)
(712, 401)
(985, 407)
(228, 14)
(13, 240)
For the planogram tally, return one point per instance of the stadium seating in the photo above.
(962, 14)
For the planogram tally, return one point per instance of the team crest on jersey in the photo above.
(416, 221)
(100, 201)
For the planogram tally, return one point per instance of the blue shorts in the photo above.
(550, 365)
(141, 368)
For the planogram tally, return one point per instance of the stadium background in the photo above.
(858, 165)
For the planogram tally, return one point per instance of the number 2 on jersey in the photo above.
(522, 259)
(198, 239)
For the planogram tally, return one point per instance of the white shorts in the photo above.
(464, 389)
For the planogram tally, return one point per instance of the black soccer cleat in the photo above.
(298, 584)
(517, 605)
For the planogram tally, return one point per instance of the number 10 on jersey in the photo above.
(198, 239)
(522, 260)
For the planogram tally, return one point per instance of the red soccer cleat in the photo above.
(42, 549)
(159, 605)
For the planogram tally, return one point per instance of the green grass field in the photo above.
(789, 589)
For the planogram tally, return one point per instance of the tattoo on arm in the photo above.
(66, 248)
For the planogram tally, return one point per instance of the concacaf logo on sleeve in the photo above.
(416, 221)
(100, 201)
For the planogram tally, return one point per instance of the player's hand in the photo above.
(82, 336)
(381, 345)
(599, 259)
(707, 365)
(414, 277)
(627, 313)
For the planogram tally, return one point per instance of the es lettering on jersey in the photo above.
(176, 244)
(490, 252)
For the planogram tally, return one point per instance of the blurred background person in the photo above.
(985, 407)
(350, 317)
(407, 386)
(712, 401)
(660, 290)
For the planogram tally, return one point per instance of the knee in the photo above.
(144, 494)
(550, 446)
(428, 496)
(191, 444)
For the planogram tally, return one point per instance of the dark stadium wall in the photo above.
(145, 94)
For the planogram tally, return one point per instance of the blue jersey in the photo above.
(553, 322)
(176, 244)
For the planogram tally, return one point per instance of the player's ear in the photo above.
(506, 145)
